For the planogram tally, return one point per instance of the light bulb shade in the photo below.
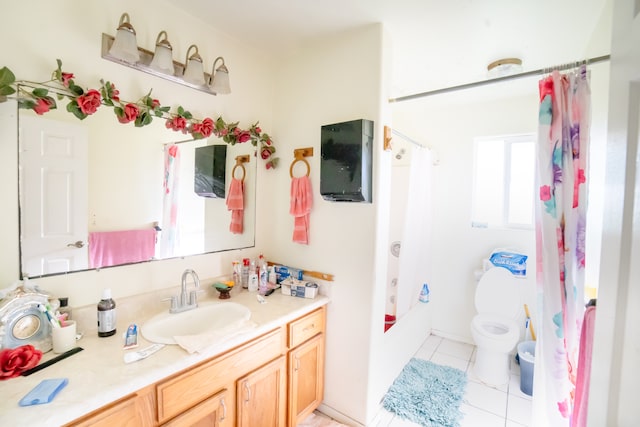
(125, 46)
(193, 68)
(162, 59)
(219, 82)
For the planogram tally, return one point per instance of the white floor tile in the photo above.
(476, 417)
(471, 376)
(457, 349)
(399, 422)
(432, 342)
(382, 419)
(486, 398)
(446, 360)
(519, 410)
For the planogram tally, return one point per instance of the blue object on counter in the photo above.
(43, 392)
(515, 263)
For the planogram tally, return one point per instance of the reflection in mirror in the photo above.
(102, 181)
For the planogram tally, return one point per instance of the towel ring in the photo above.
(300, 154)
(240, 161)
(301, 159)
(244, 171)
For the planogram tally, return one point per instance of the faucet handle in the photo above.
(193, 298)
(174, 302)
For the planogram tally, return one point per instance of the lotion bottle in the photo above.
(106, 315)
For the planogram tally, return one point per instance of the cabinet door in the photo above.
(136, 410)
(261, 396)
(306, 379)
(216, 411)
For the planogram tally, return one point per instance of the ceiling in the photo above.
(435, 43)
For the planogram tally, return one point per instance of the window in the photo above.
(503, 182)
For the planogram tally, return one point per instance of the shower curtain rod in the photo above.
(406, 138)
(501, 79)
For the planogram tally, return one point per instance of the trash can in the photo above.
(526, 355)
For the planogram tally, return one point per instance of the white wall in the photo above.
(329, 81)
(448, 123)
(71, 31)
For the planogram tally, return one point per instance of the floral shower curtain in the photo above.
(169, 234)
(563, 145)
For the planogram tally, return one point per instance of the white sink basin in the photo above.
(216, 318)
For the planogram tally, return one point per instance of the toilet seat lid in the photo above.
(498, 292)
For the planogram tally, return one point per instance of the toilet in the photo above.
(494, 329)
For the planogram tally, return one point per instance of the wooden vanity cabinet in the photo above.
(262, 396)
(275, 380)
(136, 410)
(306, 365)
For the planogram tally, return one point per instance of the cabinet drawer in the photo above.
(185, 390)
(306, 327)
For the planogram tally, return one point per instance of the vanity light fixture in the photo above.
(162, 59)
(219, 80)
(123, 50)
(193, 69)
(125, 46)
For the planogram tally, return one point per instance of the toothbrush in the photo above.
(52, 320)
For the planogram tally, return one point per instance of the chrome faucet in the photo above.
(186, 301)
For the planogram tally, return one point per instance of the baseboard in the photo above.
(338, 416)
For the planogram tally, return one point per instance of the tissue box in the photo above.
(299, 288)
(283, 272)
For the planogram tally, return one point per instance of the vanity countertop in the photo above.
(98, 375)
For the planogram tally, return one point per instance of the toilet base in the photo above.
(491, 367)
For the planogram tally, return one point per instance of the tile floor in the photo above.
(482, 406)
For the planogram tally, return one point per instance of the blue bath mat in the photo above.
(427, 394)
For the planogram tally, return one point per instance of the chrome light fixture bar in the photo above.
(144, 64)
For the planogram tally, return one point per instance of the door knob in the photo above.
(78, 244)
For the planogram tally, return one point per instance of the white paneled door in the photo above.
(53, 196)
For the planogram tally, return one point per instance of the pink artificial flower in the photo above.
(17, 360)
(206, 128)
(66, 77)
(267, 141)
(545, 193)
(115, 93)
(131, 112)
(177, 123)
(42, 106)
(269, 165)
(89, 102)
(155, 103)
(258, 130)
(244, 136)
(265, 153)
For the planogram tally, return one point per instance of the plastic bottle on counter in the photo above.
(273, 278)
(106, 315)
(237, 274)
(253, 277)
(64, 308)
(263, 276)
(244, 278)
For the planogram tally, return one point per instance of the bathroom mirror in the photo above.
(106, 178)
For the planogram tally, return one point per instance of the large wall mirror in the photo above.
(94, 192)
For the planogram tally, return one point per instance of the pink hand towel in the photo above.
(235, 203)
(121, 247)
(301, 201)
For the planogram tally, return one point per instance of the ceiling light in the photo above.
(219, 80)
(162, 58)
(505, 66)
(125, 46)
(193, 68)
